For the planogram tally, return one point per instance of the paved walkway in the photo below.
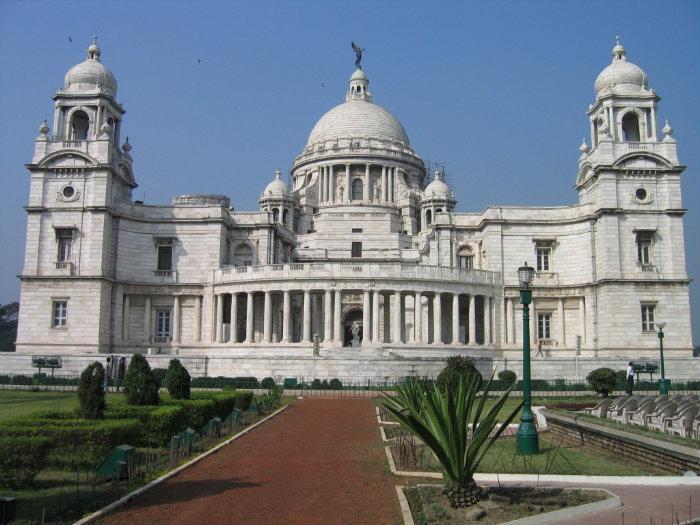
(321, 461)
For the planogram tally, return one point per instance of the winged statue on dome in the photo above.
(358, 55)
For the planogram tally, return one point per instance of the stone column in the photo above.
(437, 318)
(375, 317)
(582, 318)
(398, 317)
(487, 320)
(249, 335)
(455, 319)
(198, 318)
(384, 191)
(510, 320)
(366, 324)
(147, 320)
(366, 187)
(307, 316)
(233, 319)
(561, 325)
(176, 319)
(220, 318)
(267, 318)
(125, 319)
(331, 184)
(417, 317)
(390, 177)
(286, 304)
(321, 184)
(347, 183)
(328, 317)
(653, 123)
(472, 319)
(337, 315)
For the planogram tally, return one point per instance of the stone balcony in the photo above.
(100, 149)
(608, 150)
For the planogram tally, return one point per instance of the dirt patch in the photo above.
(319, 462)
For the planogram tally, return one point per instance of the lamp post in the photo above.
(663, 384)
(526, 440)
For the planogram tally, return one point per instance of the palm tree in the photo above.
(442, 421)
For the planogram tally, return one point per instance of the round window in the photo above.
(68, 191)
(641, 194)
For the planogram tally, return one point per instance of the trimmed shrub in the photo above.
(316, 384)
(227, 401)
(75, 443)
(456, 367)
(602, 380)
(177, 380)
(335, 384)
(268, 383)
(270, 401)
(224, 382)
(158, 423)
(21, 380)
(197, 411)
(159, 374)
(621, 378)
(21, 459)
(140, 385)
(508, 377)
(91, 392)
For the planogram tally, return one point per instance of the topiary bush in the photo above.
(158, 423)
(267, 383)
(457, 367)
(177, 380)
(602, 380)
(140, 385)
(91, 392)
(335, 384)
(508, 377)
(159, 374)
(21, 459)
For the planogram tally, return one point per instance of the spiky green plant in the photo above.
(442, 422)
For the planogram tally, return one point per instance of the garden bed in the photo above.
(429, 506)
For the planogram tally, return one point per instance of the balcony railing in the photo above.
(161, 339)
(66, 267)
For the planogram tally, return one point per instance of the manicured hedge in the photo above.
(197, 411)
(21, 459)
(158, 423)
(225, 382)
(227, 401)
(75, 443)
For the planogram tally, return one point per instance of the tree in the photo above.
(9, 314)
(177, 380)
(140, 385)
(91, 392)
(507, 376)
(457, 367)
(441, 421)
(602, 380)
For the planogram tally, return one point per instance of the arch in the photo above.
(645, 154)
(243, 255)
(275, 215)
(79, 125)
(357, 189)
(630, 127)
(68, 153)
(352, 315)
(465, 257)
(428, 217)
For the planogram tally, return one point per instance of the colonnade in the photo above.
(387, 316)
(559, 330)
(328, 191)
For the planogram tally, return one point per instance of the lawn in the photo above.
(15, 403)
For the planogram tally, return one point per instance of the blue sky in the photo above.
(495, 90)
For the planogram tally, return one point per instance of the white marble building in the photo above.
(363, 233)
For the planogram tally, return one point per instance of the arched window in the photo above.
(438, 210)
(79, 125)
(357, 187)
(275, 215)
(428, 217)
(285, 216)
(465, 257)
(630, 127)
(243, 255)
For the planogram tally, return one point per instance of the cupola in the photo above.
(91, 74)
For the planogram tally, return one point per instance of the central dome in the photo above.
(358, 117)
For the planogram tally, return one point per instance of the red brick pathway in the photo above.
(321, 461)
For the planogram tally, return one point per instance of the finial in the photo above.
(668, 130)
(278, 174)
(618, 51)
(358, 55)
(126, 147)
(583, 148)
(617, 40)
(44, 128)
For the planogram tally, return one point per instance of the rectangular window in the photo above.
(60, 313)
(543, 326)
(65, 244)
(543, 255)
(466, 261)
(162, 324)
(357, 230)
(644, 241)
(165, 257)
(357, 249)
(647, 318)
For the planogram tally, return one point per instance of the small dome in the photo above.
(277, 188)
(359, 75)
(620, 77)
(91, 74)
(438, 188)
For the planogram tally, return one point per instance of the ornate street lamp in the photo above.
(526, 440)
(663, 384)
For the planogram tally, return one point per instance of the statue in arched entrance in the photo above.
(355, 331)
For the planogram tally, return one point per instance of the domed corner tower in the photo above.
(358, 157)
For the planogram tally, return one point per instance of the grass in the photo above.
(554, 458)
(15, 403)
(634, 429)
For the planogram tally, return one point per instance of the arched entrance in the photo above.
(354, 315)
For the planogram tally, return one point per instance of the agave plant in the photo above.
(442, 422)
